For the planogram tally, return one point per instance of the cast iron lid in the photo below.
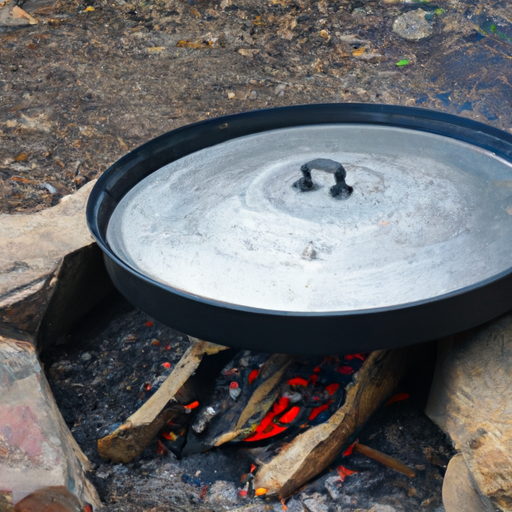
(364, 209)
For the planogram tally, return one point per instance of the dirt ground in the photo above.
(95, 78)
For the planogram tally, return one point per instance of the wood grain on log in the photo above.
(312, 451)
(228, 419)
(131, 438)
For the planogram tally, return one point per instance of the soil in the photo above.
(98, 374)
(96, 78)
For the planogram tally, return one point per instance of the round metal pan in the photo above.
(292, 331)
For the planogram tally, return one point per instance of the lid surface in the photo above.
(428, 215)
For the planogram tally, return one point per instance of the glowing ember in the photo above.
(398, 398)
(260, 491)
(349, 450)
(332, 388)
(349, 357)
(252, 376)
(149, 323)
(166, 365)
(345, 370)
(343, 472)
(192, 405)
(161, 450)
(315, 412)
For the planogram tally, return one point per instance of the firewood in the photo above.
(225, 418)
(131, 438)
(315, 449)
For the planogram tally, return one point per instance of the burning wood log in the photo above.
(131, 438)
(258, 397)
(245, 390)
(315, 449)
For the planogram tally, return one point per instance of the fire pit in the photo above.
(97, 380)
(313, 230)
(214, 222)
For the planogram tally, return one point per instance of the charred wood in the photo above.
(312, 451)
(131, 438)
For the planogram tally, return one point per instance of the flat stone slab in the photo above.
(32, 245)
(471, 400)
(51, 271)
(459, 489)
(36, 447)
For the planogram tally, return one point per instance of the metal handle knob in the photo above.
(340, 190)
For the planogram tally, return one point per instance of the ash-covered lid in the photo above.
(428, 215)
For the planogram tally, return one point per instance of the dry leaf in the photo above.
(18, 12)
(122, 143)
(190, 44)
(22, 157)
(155, 49)
(359, 51)
(248, 53)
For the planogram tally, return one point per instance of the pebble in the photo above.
(86, 356)
(222, 494)
(279, 90)
(382, 508)
(63, 366)
(413, 26)
(316, 503)
(333, 486)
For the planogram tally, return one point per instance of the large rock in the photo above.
(36, 447)
(471, 400)
(459, 489)
(51, 272)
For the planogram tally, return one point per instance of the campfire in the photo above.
(299, 411)
(164, 418)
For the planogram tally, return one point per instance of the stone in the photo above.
(36, 447)
(460, 491)
(56, 499)
(471, 400)
(386, 508)
(51, 271)
(333, 485)
(222, 495)
(292, 505)
(413, 26)
(316, 503)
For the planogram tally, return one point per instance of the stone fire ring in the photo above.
(52, 274)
